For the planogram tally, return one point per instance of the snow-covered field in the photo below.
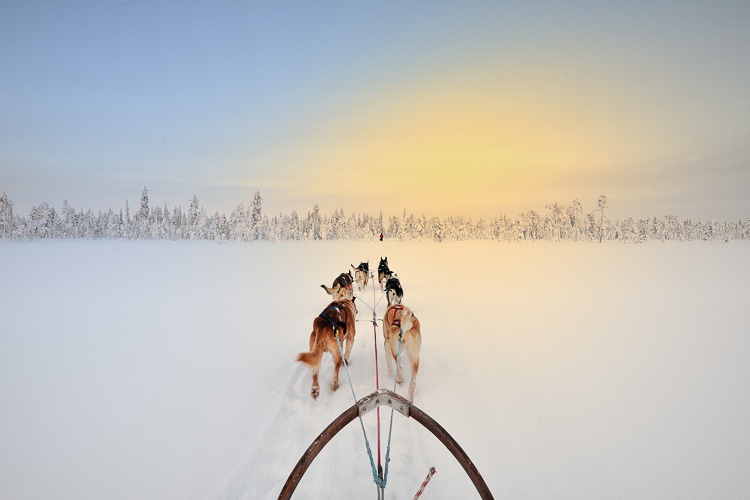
(165, 370)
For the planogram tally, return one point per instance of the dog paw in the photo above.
(315, 392)
(335, 384)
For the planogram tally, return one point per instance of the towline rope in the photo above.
(375, 346)
(377, 376)
(378, 475)
(390, 428)
(375, 477)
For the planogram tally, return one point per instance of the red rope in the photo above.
(375, 343)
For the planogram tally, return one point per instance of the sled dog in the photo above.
(384, 271)
(393, 291)
(399, 318)
(342, 282)
(361, 273)
(336, 319)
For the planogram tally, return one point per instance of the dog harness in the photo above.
(395, 308)
(342, 281)
(336, 324)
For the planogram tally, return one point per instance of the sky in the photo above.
(476, 108)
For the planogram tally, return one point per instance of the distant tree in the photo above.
(142, 217)
(6, 216)
(128, 222)
(316, 230)
(603, 221)
(194, 218)
(575, 214)
(294, 226)
(155, 225)
(393, 227)
(421, 228)
(39, 223)
(438, 229)
(256, 214)
(558, 220)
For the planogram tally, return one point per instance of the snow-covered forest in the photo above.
(559, 222)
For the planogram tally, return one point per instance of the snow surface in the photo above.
(165, 370)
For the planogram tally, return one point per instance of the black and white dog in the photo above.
(384, 272)
(393, 291)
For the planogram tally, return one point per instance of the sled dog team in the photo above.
(338, 321)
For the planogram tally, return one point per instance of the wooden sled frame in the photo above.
(401, 405)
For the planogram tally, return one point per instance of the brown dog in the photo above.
(399, 318)
(338, 318)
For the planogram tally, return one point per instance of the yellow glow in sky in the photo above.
(430, 150)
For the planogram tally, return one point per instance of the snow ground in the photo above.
(165, 370)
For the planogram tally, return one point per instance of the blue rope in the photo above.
(378, 481)
(390, 428)
(366, 304)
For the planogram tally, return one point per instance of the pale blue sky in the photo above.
(477, 107)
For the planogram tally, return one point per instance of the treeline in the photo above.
(559, 223)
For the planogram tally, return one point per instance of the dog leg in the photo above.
(337, 362)
(414, 347)
(348, 349)
(413, 383)
(388, 354)
(315, 392)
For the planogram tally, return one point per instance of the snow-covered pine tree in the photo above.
(6, 216)
(256, 214)
(128, 222)
(142, 222)
(166, 224)
(603, 220)
(193, 219)
(316, 224)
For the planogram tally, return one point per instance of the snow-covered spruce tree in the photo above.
(316, 230)
(141, 217)
(193, 219)
(603, 220)
(127, 221)
(39, 225)
(236, 222)
(256, 214)
(166, 224)
(575, 217)
(6, 216)
(155, 224)
(557, 222)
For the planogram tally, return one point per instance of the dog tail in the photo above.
(330, 291)
(312, 358)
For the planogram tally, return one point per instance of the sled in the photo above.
(405, 407)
